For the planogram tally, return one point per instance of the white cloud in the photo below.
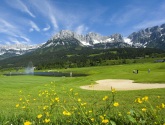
(7, 28)
(14, 40)
(46, 28)
(81, 29)
(47, 10)
(53, 20)
(33, 27)
(25, 38)
(17, 4)
(149, 23)
(11, 32)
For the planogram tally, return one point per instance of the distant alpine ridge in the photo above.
(153, 37)
(95, 40)
(15, 50)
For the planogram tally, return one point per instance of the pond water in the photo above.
(55, 74)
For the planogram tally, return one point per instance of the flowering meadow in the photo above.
(48, 108)
(35, 100)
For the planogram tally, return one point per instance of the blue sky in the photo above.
(36, 21)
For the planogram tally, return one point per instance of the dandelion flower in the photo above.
(45, 107)
(101, 117)
(105, 98)
(138, 100)
(90, 111)
(163, 105)
(144, 109)
(27, 123)
(17, 105)
(57, 99)
(79, 100)
(23, 107)
(39, 116)
(83, 104)
(145, 98)
(71, 89)
(105, 121)
(66, 113)
(47, 113)
(92, 119)
(47, 120)
(113, 90)
(116, 104)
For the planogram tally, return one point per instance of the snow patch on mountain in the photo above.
(128, 41)
(85, 43)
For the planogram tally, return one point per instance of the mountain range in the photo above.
(153, 37)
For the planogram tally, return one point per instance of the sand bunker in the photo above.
(121, 84)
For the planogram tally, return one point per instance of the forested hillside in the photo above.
(82, 57)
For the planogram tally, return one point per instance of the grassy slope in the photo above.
(10, 86)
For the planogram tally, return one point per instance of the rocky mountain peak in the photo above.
(63, 34)
(152, 37)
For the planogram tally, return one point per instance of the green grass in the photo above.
(31, 85)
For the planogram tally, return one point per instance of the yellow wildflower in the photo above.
(47, 113)
(128, 113)
(163, 105)
(39, 116)
(47, 120)
(113, 90)
(144, 109)
(45, 107)
(158, 97)
(101, 117)
(105, 98)
(90, 111)
(92, 119)
(105, 121)
(145, 98)
(57, 99)
(66, 113)
(20, 99)
(71, 89)
(17, 105)
(23, 107)
(116, 104)
(83, 104)
(138, 100)
(76, 94)
(79, 100)
(27, 123)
